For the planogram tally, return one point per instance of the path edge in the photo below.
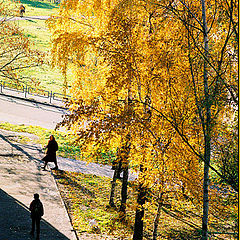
(65, 207)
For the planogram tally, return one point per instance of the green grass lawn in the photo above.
(65, 141)
(39, 35)
(67, 148)
(39, 8)
(86, 197)
(36, 30)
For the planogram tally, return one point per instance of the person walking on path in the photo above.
(52, 148)
(37, 212)
(22, 10)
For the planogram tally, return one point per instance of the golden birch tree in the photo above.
(150, 50)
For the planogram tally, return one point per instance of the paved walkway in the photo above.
(21, 177)
(20, 111)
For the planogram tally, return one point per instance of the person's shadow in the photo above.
(15, 222)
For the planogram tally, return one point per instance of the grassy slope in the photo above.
(86, 197)
(66, 148)
(37, 32)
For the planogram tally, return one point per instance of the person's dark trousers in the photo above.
(37, 222)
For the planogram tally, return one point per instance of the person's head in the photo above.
(52, 138)
(36, 196)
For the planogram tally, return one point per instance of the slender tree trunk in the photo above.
(124, 164)
(207, 137)
(205, 197)
(116, 165)
(124, 157)
(156, 220)
(138, 226)
(124, 192)
(113, 182)
(65, 83)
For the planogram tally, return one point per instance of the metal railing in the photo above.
(13, 87)
(28, 92)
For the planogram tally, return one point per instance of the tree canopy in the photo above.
(161, 74)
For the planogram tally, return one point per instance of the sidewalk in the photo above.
(20, 177)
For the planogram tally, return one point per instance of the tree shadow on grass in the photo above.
(183, 234)
(191, 230)
(39, 4)
(17, 147)
(187, 229)
(60, 174)
(62, 177)
(15, 222)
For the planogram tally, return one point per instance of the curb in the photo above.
(66, 210)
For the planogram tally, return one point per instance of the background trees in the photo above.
(15, 49)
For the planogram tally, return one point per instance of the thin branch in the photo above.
(15, 58)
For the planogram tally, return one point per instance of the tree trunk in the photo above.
(124, 193)
(124, 164)
(207, 137)
(138, 226)
(156, 221)
(113, 182)
(116, 165)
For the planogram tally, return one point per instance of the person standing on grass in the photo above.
(36, 208)
(51, 156)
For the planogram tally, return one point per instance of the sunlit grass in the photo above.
(37, 32)
(87, 198)
(65, 141)
(39, 36)
(38, 8)
(67, 147)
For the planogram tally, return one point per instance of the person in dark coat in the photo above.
(52, 148)
(36, 208)
(21, 10)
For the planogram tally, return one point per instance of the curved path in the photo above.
(20, 177)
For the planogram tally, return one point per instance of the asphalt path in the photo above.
(20, 177)
(21, 174)
(17, 111)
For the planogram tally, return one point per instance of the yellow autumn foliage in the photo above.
(151, 51)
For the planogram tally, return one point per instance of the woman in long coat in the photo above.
(51, 156)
